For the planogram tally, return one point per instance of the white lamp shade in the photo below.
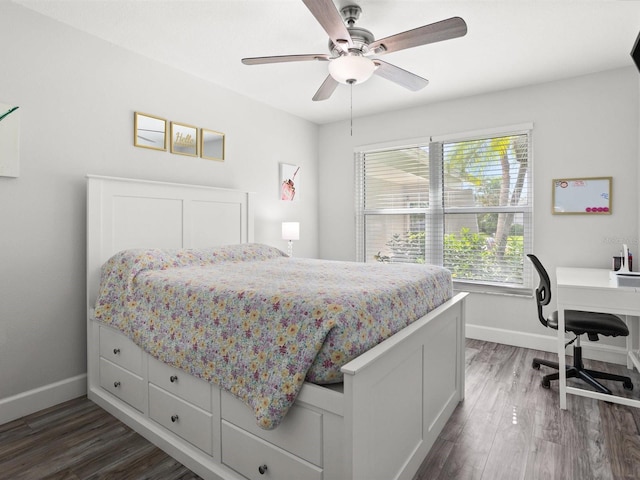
(290, 230)
(351, 67)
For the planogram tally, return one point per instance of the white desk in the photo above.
(590, 289)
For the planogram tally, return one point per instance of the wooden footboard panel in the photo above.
(399, 395)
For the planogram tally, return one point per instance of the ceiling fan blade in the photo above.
(284, 58)
(435, 32)
(397, 75)
(329, 18)
(326, 89)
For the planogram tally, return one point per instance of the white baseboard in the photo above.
(32, 401)
(546, 343)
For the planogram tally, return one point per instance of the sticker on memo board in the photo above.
(582, 196)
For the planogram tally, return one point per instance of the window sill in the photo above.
(492, 289)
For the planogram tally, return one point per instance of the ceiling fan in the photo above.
(354, 50)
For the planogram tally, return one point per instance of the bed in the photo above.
(376, 418)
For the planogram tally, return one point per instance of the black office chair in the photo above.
(578, 323)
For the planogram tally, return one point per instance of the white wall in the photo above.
(77, 95)
(583, 127)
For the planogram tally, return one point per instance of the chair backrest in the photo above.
(543, 292)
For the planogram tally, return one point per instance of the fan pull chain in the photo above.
(351, 82)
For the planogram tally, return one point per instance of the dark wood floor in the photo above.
(508, 428)
(77, 440)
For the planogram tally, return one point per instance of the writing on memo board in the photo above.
(587, 196)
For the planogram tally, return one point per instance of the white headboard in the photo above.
(127, 213)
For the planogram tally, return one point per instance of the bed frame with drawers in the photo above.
(378, 424)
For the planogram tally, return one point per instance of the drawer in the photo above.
(185, 420)
(125, 385)
(180, 383)
(246, 454)
(117, 348)
(299, 433)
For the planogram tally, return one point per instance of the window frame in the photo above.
(436, 213)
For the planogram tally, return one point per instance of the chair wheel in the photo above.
(628, 385)
(535, 364)
(546, 383)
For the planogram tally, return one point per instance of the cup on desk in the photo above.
(617, 263)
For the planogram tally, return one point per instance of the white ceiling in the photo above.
(508, 44)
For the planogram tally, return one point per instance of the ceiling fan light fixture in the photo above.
(351, 69)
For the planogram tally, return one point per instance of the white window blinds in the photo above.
(464, 204)
(394, 202)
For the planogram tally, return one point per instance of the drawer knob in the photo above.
(116, 384)
(116, 351)
(262, 469)
(173, 378)
(174, 418)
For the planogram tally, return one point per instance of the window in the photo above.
(464, 203)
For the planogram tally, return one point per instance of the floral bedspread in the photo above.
(258, 323)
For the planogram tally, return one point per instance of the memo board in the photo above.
(586, 196)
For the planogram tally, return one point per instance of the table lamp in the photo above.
(290, 232)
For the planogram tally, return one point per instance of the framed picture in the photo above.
(149, 131)
(586, 196)
(289, 182)
(211, 145)
(9, 140)
(184, 139)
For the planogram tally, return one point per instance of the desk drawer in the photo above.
(180, 383)
(183, 419)
(118, 349)
(246, 453)
(122, 383)
(609, 300)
